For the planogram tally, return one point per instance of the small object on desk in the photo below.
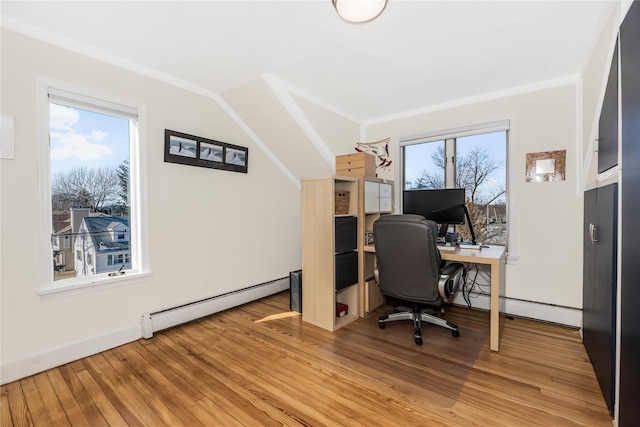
(469, 245)
(446, 248)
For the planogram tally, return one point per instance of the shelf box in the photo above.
(346, 234)
(346, 266)
(341, 310)
(357, 164)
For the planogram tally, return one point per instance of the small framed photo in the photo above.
(192, 150)
(211, 152)
(236, 158)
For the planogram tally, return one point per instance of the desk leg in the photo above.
(497, 302)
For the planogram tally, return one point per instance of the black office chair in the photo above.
(410, 272)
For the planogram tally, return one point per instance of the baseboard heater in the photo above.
(167, 318)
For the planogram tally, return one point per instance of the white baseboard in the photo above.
(13, 371)
(31, 365)
(163, 319)
(534, 310)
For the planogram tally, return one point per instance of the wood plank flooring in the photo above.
(260, 365)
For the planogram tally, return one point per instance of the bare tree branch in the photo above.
(82, 187)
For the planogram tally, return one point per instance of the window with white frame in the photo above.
(473, 158)
(94, 164)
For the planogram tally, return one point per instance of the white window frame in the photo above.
(449, 136)
(84, 98)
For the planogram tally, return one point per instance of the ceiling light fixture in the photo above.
(359, 11)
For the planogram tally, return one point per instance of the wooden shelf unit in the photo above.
(376, 199)
(319, 295)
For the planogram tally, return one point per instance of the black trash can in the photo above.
(295, 287)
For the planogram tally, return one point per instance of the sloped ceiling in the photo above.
(416, 54)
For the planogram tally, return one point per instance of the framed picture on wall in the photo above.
(193, 150)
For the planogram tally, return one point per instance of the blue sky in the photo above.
(84, 138)
(495, 144)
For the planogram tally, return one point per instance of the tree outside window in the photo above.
(477, 164)
(90, 144)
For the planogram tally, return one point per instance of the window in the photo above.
(473, 158)
(93, 160)
(118, 259)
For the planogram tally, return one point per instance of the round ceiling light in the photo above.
(359, 10)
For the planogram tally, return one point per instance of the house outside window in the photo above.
(94, 160)
(473, 158)
(118, 259)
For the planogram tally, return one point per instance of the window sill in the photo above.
(97, 283)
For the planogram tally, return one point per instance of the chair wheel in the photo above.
(419, 340)
(455, 333)
(381, 325)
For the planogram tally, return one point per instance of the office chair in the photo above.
(410, 272)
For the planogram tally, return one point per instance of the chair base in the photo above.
(417, 317)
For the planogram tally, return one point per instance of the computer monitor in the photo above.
(443, 206)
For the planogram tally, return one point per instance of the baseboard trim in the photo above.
(173, 316)
(13, 371)
(566, 316)
(36, 363)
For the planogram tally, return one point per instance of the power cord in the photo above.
(471, 288)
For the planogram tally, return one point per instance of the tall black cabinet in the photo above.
(608, 124)
(629, 410)
(599, 285)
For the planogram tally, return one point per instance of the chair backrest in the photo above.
(408, 260)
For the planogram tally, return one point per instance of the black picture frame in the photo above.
(193, 150)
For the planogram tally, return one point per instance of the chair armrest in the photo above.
(450, 277)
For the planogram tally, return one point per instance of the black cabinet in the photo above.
(599, 287)
(608, 125)
(629, 410)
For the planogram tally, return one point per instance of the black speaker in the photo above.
(295, 290)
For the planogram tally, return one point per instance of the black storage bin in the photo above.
(346, 234)
(346, 269)
(295, 291)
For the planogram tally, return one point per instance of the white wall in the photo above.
(545, 218)
(210, 231)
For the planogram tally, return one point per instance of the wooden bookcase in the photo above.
(319, 294)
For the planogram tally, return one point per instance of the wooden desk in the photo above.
(495, 256)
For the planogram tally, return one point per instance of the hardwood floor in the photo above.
(260, 365)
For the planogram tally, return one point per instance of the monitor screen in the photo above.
(434, 204)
